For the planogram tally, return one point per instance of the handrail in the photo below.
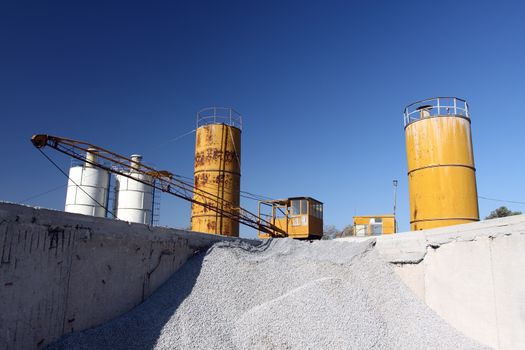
(219, 115)
(436, 106)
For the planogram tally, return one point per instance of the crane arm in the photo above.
(161, 179)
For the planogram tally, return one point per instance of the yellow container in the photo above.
(218, 173)
(441, 172)
(370, 225)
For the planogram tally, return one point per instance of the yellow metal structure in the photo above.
(298, 217)
(441, 172)
(372, 225)
(163, 180)
(217, 169)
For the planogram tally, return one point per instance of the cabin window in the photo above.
(296, 207)
(304, 206)
(316, 210)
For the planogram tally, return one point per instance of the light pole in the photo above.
(395, 193)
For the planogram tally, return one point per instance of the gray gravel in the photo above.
(283, 294)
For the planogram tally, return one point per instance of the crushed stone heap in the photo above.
(281, 294)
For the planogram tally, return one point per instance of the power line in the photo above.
(162, 144)
(257, 196)
(500, 200)
(41, 194)
(181, 136)
(244, 194)
(66, 175)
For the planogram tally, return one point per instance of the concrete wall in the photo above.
(472, 275)
(63, 272)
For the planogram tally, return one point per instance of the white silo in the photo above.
(87, 188)
(134, 199)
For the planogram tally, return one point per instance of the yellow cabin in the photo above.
(299, 217)
(373, 225)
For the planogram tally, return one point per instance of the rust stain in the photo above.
(201, 180)
(219, 179)
(208, 131)
(216, 151)
(213, 155)
(212, 225)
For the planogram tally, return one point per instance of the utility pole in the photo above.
(395, 193)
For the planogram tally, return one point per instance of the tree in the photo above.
(329, 232)
(348, 231)
(501, 212)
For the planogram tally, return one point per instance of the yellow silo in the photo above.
(441, 172)
(217, 170)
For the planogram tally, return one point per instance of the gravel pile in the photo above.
(282, 294)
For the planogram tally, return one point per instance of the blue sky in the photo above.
(322, 86)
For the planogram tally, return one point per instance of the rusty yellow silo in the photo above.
(441, 172)
(217, 170)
